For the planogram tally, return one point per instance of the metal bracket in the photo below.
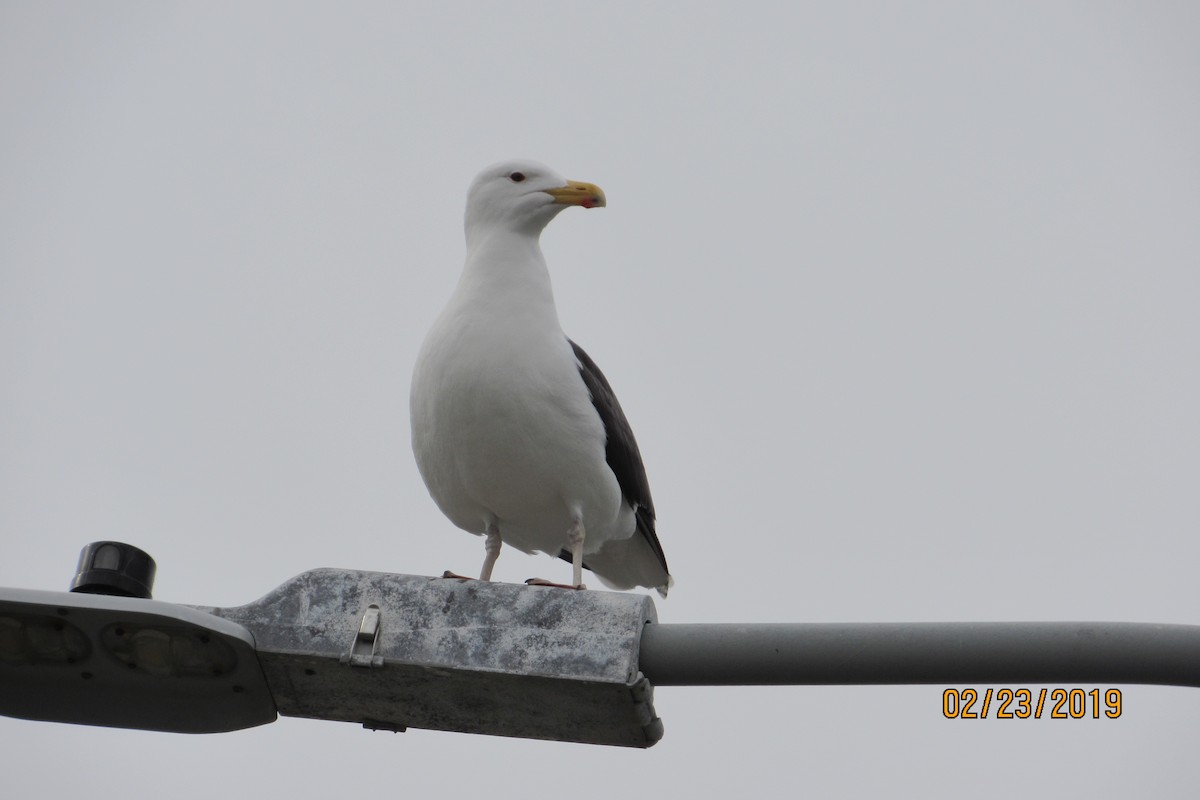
(384, 725)
(365, 644)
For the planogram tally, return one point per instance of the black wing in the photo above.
(621, 452)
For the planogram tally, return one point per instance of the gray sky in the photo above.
(901, 300)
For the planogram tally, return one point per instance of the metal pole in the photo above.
(1009, 653)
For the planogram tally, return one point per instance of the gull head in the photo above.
(524, 196)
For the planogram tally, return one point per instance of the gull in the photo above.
(517, 433)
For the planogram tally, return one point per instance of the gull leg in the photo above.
(575, 538)
(491, 549)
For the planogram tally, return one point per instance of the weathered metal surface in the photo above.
(444, 654)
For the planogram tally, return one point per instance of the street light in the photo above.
(399, 651)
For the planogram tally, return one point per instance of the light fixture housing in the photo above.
(125, 662)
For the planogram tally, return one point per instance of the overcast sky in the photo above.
(900, 299)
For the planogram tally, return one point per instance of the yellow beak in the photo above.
(578, 193)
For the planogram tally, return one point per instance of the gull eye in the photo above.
(517, 177)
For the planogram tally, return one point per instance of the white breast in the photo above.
(503, 427)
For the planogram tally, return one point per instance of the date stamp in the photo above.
(1031, 703)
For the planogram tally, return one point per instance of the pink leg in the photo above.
(491, 549)
(575, 537)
